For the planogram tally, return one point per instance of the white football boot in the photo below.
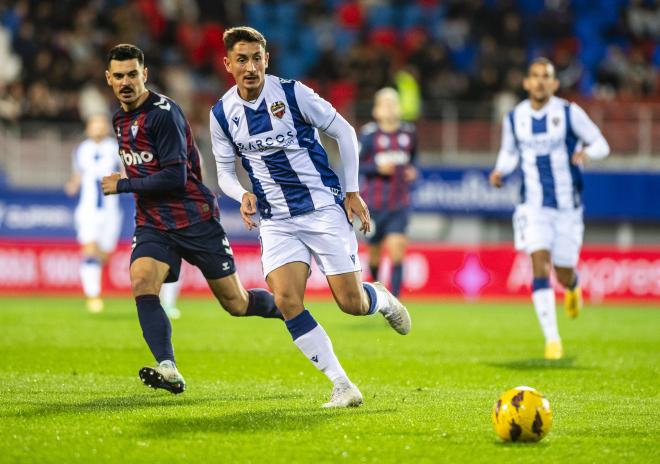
(394, 312)
(344, 395)
(165, 376)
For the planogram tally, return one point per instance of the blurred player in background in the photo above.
(388, 148)
(169, 295)
(551, 139)
(272, 124)
(176, 215)
(97, 217)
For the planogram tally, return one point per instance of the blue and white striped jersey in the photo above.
(543, 142)
(277, 141)
(92, 161)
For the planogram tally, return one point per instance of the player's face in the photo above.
(127, 79)
(540, 82)
(247, 62)
(97, 127)
(387, 109)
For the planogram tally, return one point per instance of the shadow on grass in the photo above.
(155, 400)
(539, 364)
(521, 444)
(254, 421)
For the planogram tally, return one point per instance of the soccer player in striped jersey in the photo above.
(388, 148)
(97, 217)
(272, 125)
(176, 214)
(550, 139)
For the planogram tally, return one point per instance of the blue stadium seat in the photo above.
(409, 16)
(344, 39)
(286, 14)
(257, 15)
(380, 16)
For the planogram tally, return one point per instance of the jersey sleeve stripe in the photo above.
(219, 113)
(571, 143)
(513, 130)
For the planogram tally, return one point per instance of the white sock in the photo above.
(381, 297)
(317, 347)
(168, 364)
(544, 304)
(90, 275)
(169, 293)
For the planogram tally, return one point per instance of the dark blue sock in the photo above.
(397, 278)
(156, 328)
(301, 324)
(374, 272)
(261, 303)
(371, 293)
(540, 283)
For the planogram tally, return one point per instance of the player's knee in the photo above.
(143, 284)
(287, 301)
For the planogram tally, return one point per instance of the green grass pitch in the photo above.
(69, 390)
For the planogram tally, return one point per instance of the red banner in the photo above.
(429, 270)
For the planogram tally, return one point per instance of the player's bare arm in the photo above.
(72, 187)
(355, 205)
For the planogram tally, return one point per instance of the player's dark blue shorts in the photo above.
(204, 245)
(388, 222)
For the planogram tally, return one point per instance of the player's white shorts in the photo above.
(558, 231)
(324, 234)
(98, 225)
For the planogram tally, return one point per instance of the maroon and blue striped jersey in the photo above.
(151, 137)
(377, 147)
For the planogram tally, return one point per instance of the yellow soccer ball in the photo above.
(522, 414)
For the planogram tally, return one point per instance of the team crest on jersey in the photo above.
(278, 109)
(134, 128)
(555, 121)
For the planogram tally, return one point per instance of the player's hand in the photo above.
(109, 183)
(410, 173)
(71, 188)
(495, 179)
(386, 169)
(249, 209)
(354, 204)
(579, 158)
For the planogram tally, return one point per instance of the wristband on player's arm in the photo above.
(171, 177)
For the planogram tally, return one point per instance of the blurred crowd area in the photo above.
(469, 51)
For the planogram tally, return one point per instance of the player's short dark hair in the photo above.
(242, 34)
(123, 52)
(540, 60)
